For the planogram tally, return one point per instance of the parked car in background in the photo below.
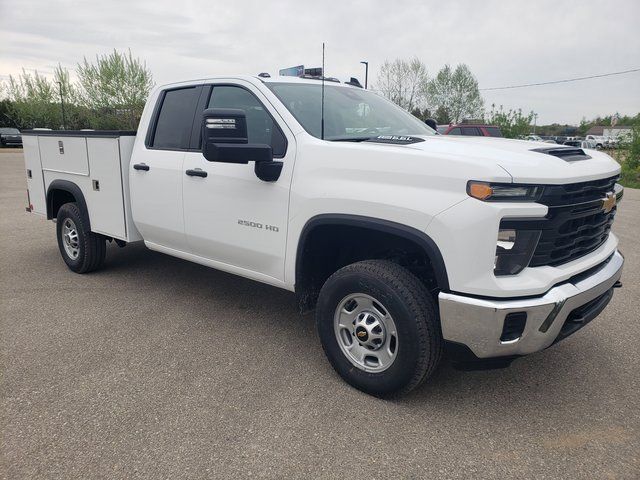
(600, 141)
(470, 129)
(533, 138)
(580, 144)
(10, 137)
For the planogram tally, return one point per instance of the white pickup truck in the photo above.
(408, 244)
(599, 141)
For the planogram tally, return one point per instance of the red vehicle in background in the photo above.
(470, 129)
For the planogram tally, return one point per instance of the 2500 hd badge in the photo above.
(248, 223)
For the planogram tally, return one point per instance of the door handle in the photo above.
(141, 166)
(197, 172)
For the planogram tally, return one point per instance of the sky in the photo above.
(504, 43)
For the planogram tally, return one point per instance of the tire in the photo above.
(400, 304)
(82, 250)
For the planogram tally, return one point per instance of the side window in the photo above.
(471, 131)
(261, 128)
(454, 131)
(175, 119)
(494, 132)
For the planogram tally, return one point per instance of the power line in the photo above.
(563, 81)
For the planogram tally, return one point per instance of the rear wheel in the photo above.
(379, 328)
(82, 250)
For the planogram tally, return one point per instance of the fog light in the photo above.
(506, 239)
(514, 249)
(513, 327)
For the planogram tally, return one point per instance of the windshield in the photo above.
(9, 131)
(349, 113)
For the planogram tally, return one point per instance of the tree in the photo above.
(512, 123)
(109, 94)
(32, 99)
(585, 124)
(421, 114)
(5, 107)
(442, 116)
(115, 88)
(404, 82)
(630, 176)
(455, 94)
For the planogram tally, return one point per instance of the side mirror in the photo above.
(224, 139)
(431, 123)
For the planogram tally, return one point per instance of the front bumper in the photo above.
(477, 323)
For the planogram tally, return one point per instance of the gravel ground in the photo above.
(158, 368)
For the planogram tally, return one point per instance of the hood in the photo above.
(520, 159)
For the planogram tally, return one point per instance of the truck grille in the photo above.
(576, 223)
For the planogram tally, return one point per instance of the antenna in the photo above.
(322, 101)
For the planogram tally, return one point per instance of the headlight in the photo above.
(504, 192)
(514, 249)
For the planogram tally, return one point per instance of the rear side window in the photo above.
(175, 119)
(494, 132)
(454, 131)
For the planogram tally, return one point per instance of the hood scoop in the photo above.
(568, 154)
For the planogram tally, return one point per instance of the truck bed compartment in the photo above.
(64, 154)
(97, 162)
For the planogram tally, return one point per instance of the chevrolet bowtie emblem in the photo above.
(608, 202)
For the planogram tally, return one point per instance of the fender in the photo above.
(73, 189)
(386, 226)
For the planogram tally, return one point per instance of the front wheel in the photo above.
(82, 250)
(379, 327)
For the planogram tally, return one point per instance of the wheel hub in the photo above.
(369, 330)
(366, 332)
(70, 240)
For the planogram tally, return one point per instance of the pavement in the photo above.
(157, 368)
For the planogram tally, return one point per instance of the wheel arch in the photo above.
(60, 192)
(388, 228)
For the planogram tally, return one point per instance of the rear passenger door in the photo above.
(156, 170)
(232, 218)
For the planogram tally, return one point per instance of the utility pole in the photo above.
(535, 121)
(64, 122)
(366, 74)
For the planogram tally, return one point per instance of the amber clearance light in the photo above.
(478, 190)
(503, 192)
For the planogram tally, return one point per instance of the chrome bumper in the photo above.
(478, 323)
